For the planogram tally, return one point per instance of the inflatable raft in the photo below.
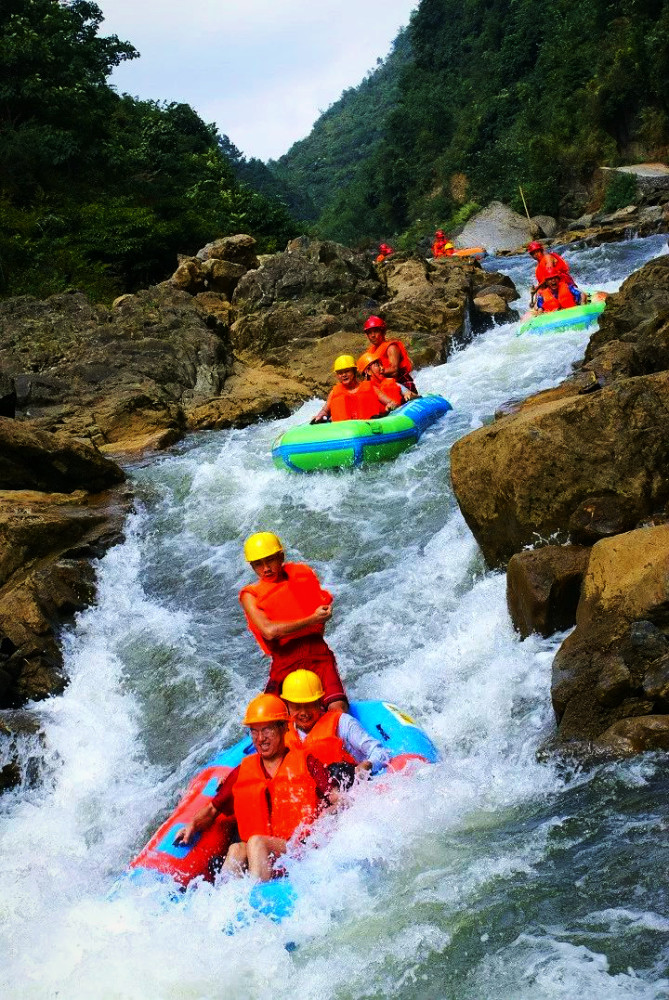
(310, 447)
(576, 318)
(162, 859)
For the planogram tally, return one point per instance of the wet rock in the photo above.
(613, 665)
(46, 544)
(543, 588)
(636, 735)
(603, 516)
(39, 460)
(21, 744)
(523, 477)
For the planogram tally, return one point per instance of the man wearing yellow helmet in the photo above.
(286, 611)
(352, 398)
(273, 794)
(334, 737)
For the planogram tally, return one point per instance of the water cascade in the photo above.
(489, 875)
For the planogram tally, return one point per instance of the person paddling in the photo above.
(442, 246)
(334, 737)
(286, 611)
(391, 353)
(352, 398)
(274, 795)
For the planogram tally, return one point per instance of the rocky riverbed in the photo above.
(571, 488)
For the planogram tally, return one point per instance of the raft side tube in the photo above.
(576, 318)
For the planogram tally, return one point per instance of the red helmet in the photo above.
(552, 272)
(534, 246)
(375, 323)
(439, 232)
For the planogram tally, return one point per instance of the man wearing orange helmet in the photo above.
(352, 398)
(286, 611)
(391, 353)
(370, 367)
(558, 292)
(274, 794)
(442, 246)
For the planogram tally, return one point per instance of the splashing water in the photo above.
(488, 875)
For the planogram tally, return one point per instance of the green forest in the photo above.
(479, 98)
(100, 191)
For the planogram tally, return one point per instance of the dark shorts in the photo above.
(309, 652)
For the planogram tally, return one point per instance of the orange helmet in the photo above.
(375, 323)
(265, 708)
(364, 361)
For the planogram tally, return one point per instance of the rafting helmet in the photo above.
(552, 272)
(364, 361)
(342, 362)
(534, 246)
(261, 545)
(374, 323)
(439, 232)
(301, 687)
(265, 708)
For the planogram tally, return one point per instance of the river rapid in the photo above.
(489, 875)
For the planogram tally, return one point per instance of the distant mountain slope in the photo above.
(479, 97)
(317, 168)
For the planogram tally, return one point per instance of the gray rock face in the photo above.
(496, 227)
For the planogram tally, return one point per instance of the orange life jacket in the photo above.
(274, 807)
(391, 388)
(549, 260)
(563, 300)
(322, 740)
(296, 597)
(360, 403)
(380, 353)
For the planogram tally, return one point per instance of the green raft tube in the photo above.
(310, 447)
(576, 318)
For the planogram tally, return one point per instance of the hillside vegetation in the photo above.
(484, 97)
(97, 190)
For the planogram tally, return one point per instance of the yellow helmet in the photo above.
(265, 708)
(342, 362)
(302, 686)
(261, 545)
(365, 360)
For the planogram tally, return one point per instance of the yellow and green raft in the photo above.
(311, 447)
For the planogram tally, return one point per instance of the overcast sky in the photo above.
(263, 70)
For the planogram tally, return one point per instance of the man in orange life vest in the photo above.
(384, 251)
(334, 737)
(371, 368)
(547, 262)
(352, 398)
(286, 611)
(442, 246)
(391, 353)
(558, 292)
(273, 794)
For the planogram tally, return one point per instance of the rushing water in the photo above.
(490, 875)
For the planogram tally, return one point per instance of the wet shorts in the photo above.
(309, 652)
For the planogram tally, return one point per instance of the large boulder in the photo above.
(496, 227)
(524, 477)
(615, 664)
(47, 542)
(39, 460)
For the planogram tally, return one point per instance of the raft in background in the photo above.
(161, 859)
(576, 318)
(310, 447)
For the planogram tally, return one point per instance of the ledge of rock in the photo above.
(615, 664)
(543, 588)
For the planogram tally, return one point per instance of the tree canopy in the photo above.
(99, 190)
